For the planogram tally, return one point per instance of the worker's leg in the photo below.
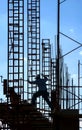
(46, 98)
(35, 95)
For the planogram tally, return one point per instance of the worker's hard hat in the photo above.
(38, 76)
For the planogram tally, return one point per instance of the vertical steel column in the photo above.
(79, 77)
(46, 68)
(58, 48)
(33, 45)
(16, 46)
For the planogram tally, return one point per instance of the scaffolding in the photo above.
(16, 46)
(53, 74)
(33, 47)
(68, 97)
(46, 70)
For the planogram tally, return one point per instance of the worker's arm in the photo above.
(31, 82)
(45, 76)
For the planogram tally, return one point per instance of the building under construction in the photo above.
(17, 113)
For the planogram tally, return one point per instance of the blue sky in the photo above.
(3, 42)
(70, 24)
(3, 37)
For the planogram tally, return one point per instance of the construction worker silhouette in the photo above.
(41, 83)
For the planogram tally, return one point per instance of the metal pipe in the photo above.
(58, 41)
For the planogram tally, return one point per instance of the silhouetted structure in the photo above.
(17, 113)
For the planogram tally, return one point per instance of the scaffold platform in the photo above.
(23, 116)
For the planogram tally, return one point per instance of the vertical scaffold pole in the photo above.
(33, 45)
(58, 49)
